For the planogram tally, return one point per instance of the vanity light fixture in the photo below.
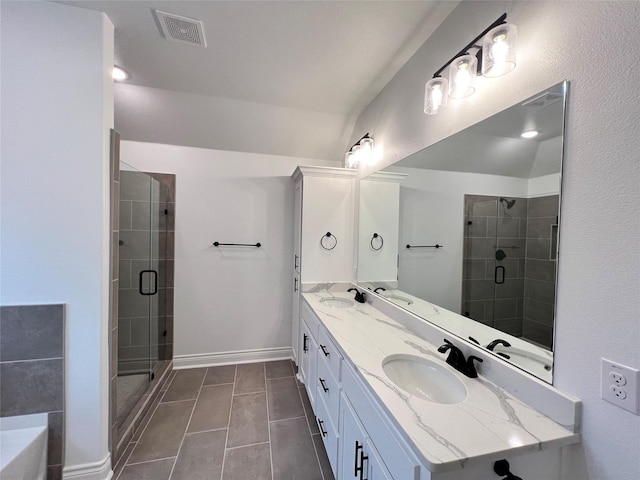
(119, 74)
(494, 56)
(361, 152)
(529, 134)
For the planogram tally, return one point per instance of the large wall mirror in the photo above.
(465, 232)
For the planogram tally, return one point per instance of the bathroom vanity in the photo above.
(352, 359)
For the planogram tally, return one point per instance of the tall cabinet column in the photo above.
(323, 232)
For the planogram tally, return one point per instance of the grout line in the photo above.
(184, 400)
(205, 431)
(248, 393)
(310, 433)
(186, 428)
(268, 421)
(216, 384)
(245, 446)
(149, 461)
(287, 419)
(226, 441)
(30, 360)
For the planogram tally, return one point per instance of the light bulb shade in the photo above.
(499, 50)
(436, 92)
(462, 73)
(348, 159)
(366, 148)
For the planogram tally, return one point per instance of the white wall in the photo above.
(162, 116)
(57, 108)
(228, 299)
(431, 212)
(590, 44)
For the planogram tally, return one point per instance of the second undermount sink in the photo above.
(424, 378)
(337, 302)
(398, 299)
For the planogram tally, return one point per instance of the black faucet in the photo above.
(360, 297)
(456, 359)
(497, 342)
(375, 290)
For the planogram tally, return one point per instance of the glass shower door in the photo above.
(140, 303)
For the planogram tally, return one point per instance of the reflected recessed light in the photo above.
(529, 134)
(119, 74)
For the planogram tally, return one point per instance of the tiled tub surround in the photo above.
(32, 370)
(233, 422)
(487, 425)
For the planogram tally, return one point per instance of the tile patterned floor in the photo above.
(236, 422)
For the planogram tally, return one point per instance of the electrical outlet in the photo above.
(620, 385)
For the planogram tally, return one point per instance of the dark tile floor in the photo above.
(236, 422)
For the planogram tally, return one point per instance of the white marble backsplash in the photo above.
(444, 436)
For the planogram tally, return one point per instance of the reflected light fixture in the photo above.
(361, 152)
(119, 74)
(492, 54)
(529, 134)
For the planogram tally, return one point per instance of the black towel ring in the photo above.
(323, 241)
(375, 235)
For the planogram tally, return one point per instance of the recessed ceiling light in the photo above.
(119, 74)
(529, 134)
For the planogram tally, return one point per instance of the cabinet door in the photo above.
(377, 470)
(352, 444)
(295, 320)
(305, 352)
(310, 385)
(327, 207)
(297, 226)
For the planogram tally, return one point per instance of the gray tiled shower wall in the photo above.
(540, 267)
(32, 370)
(523, 305)
(489, 225)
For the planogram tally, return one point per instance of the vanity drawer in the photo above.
(328, 389)
(394, 455)
(329, 352)
(328, 432)
(307, 315)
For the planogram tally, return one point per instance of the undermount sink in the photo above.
(424, 378)
(398, 299)
(337, 302)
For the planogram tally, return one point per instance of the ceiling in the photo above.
(494, 146)
(327, 57)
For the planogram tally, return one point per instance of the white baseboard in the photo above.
(90, 471)
(230, 358)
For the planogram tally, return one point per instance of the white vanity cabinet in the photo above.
(323, 232)
(370, 435)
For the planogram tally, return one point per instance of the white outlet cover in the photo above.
(617, 378)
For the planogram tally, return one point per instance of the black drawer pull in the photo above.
(359, 469)
(305, 347)
(324, 387)
(322, 430)
(324, 350)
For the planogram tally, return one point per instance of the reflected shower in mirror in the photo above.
(470, 228)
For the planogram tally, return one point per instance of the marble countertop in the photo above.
(444, 436)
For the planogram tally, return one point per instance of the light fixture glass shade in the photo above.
(462, 73)
(119, 74)
(366, 149)
(436, 92)
(348, 159)
(499, 50)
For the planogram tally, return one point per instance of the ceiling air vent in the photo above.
(181, 29)
(543, 100)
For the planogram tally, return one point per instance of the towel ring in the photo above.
(375, 235)
(326, 239)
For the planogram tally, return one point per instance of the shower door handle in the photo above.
(499, 268)
(155, 282)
